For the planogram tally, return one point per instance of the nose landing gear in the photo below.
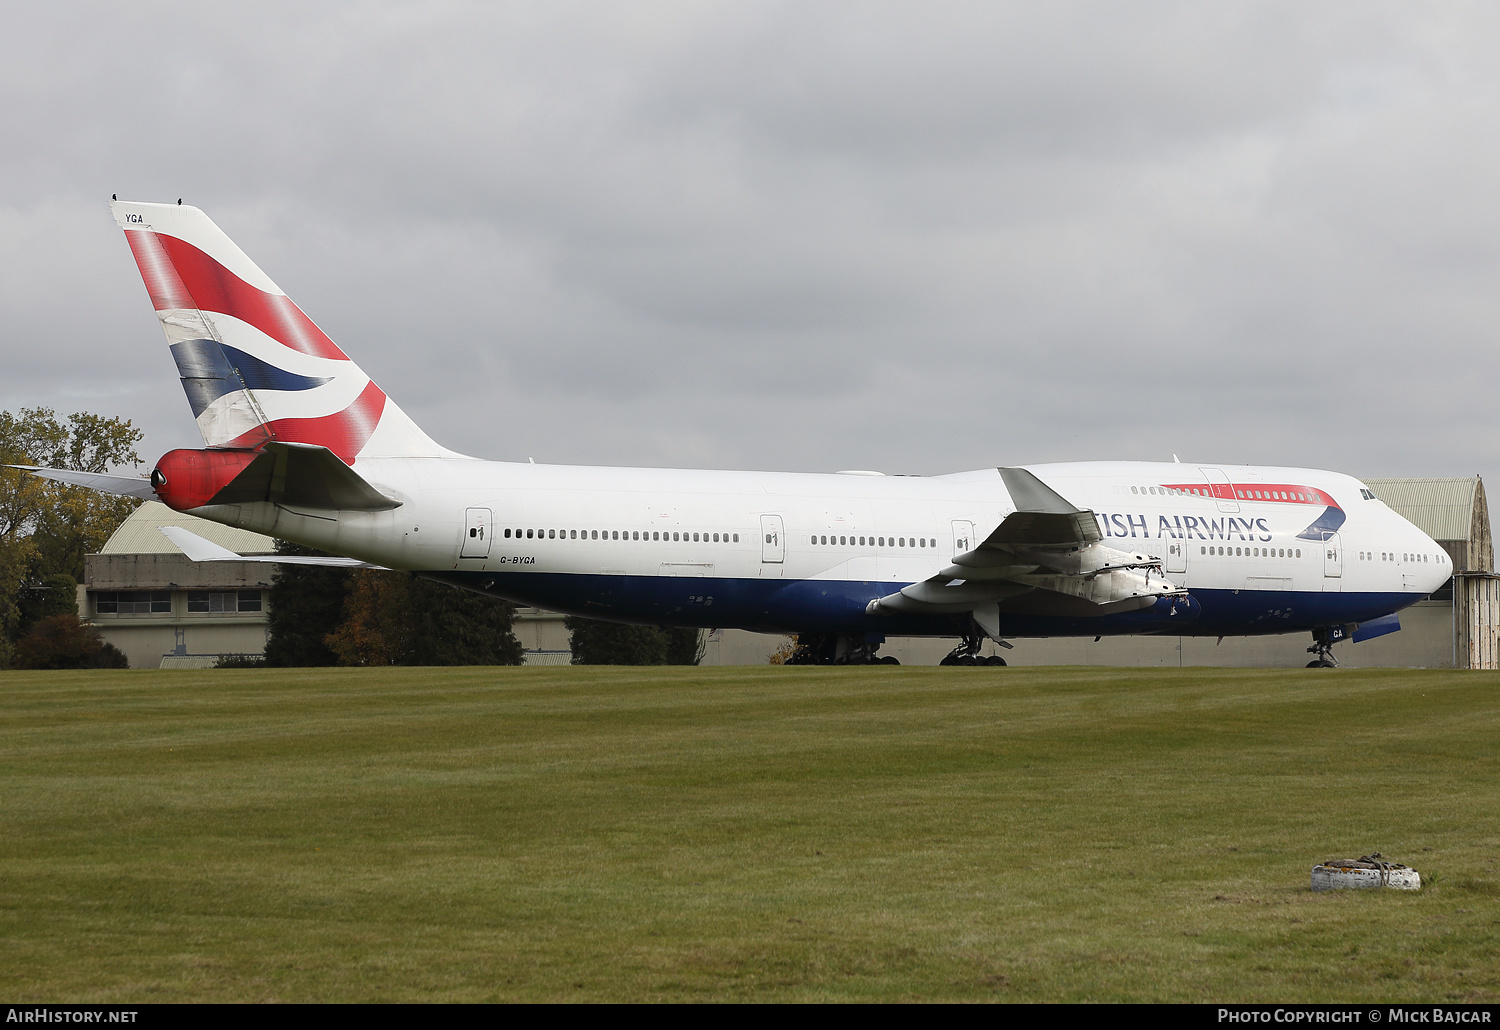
(1324, 637)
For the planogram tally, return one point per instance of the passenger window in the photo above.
(528, 534)
(507, 534)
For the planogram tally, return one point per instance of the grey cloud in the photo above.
(795, 235)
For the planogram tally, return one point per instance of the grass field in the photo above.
(745, 834)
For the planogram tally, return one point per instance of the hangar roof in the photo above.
(138, 534)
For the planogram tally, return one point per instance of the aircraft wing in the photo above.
(1047, 548)
(198, 549)
(126, 486)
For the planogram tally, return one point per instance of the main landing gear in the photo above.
(967, 653)
(1322, 647)
(832, 649)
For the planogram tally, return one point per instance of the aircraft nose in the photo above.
(1436, 572)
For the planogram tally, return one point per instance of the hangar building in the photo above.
(164, 611)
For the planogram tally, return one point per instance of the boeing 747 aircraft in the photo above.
(301, 445)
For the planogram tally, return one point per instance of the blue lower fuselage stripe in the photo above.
(838, 606)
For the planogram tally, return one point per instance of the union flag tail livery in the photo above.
(301, 445)
(254, 367)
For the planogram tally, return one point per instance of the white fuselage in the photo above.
(667, 545)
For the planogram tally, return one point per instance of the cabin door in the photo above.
(963, 537)
(1176, 558)
(478, 523)
(773, 540)
(1333, 561)
(1221, 488)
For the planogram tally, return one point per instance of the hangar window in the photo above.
(133, 602)
(224, 602)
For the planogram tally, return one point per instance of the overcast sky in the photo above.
(808, 236)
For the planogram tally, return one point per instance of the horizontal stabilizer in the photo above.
(125, 486)
(303, 476)
(199, 549)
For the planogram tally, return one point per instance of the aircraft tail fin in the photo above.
(254, 367)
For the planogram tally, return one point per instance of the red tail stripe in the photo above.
(161, 279)
(345, 433)
(179, 275)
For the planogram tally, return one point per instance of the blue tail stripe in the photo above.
(210, 369)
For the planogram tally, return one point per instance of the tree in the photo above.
(397, 619)
(57, 594)
(685, 646)
(306, 605)
(46, 528)
(64, 642)
(594, 642)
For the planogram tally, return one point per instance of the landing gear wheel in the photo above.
(967, 653)
(994, 659)
(1322, 649)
